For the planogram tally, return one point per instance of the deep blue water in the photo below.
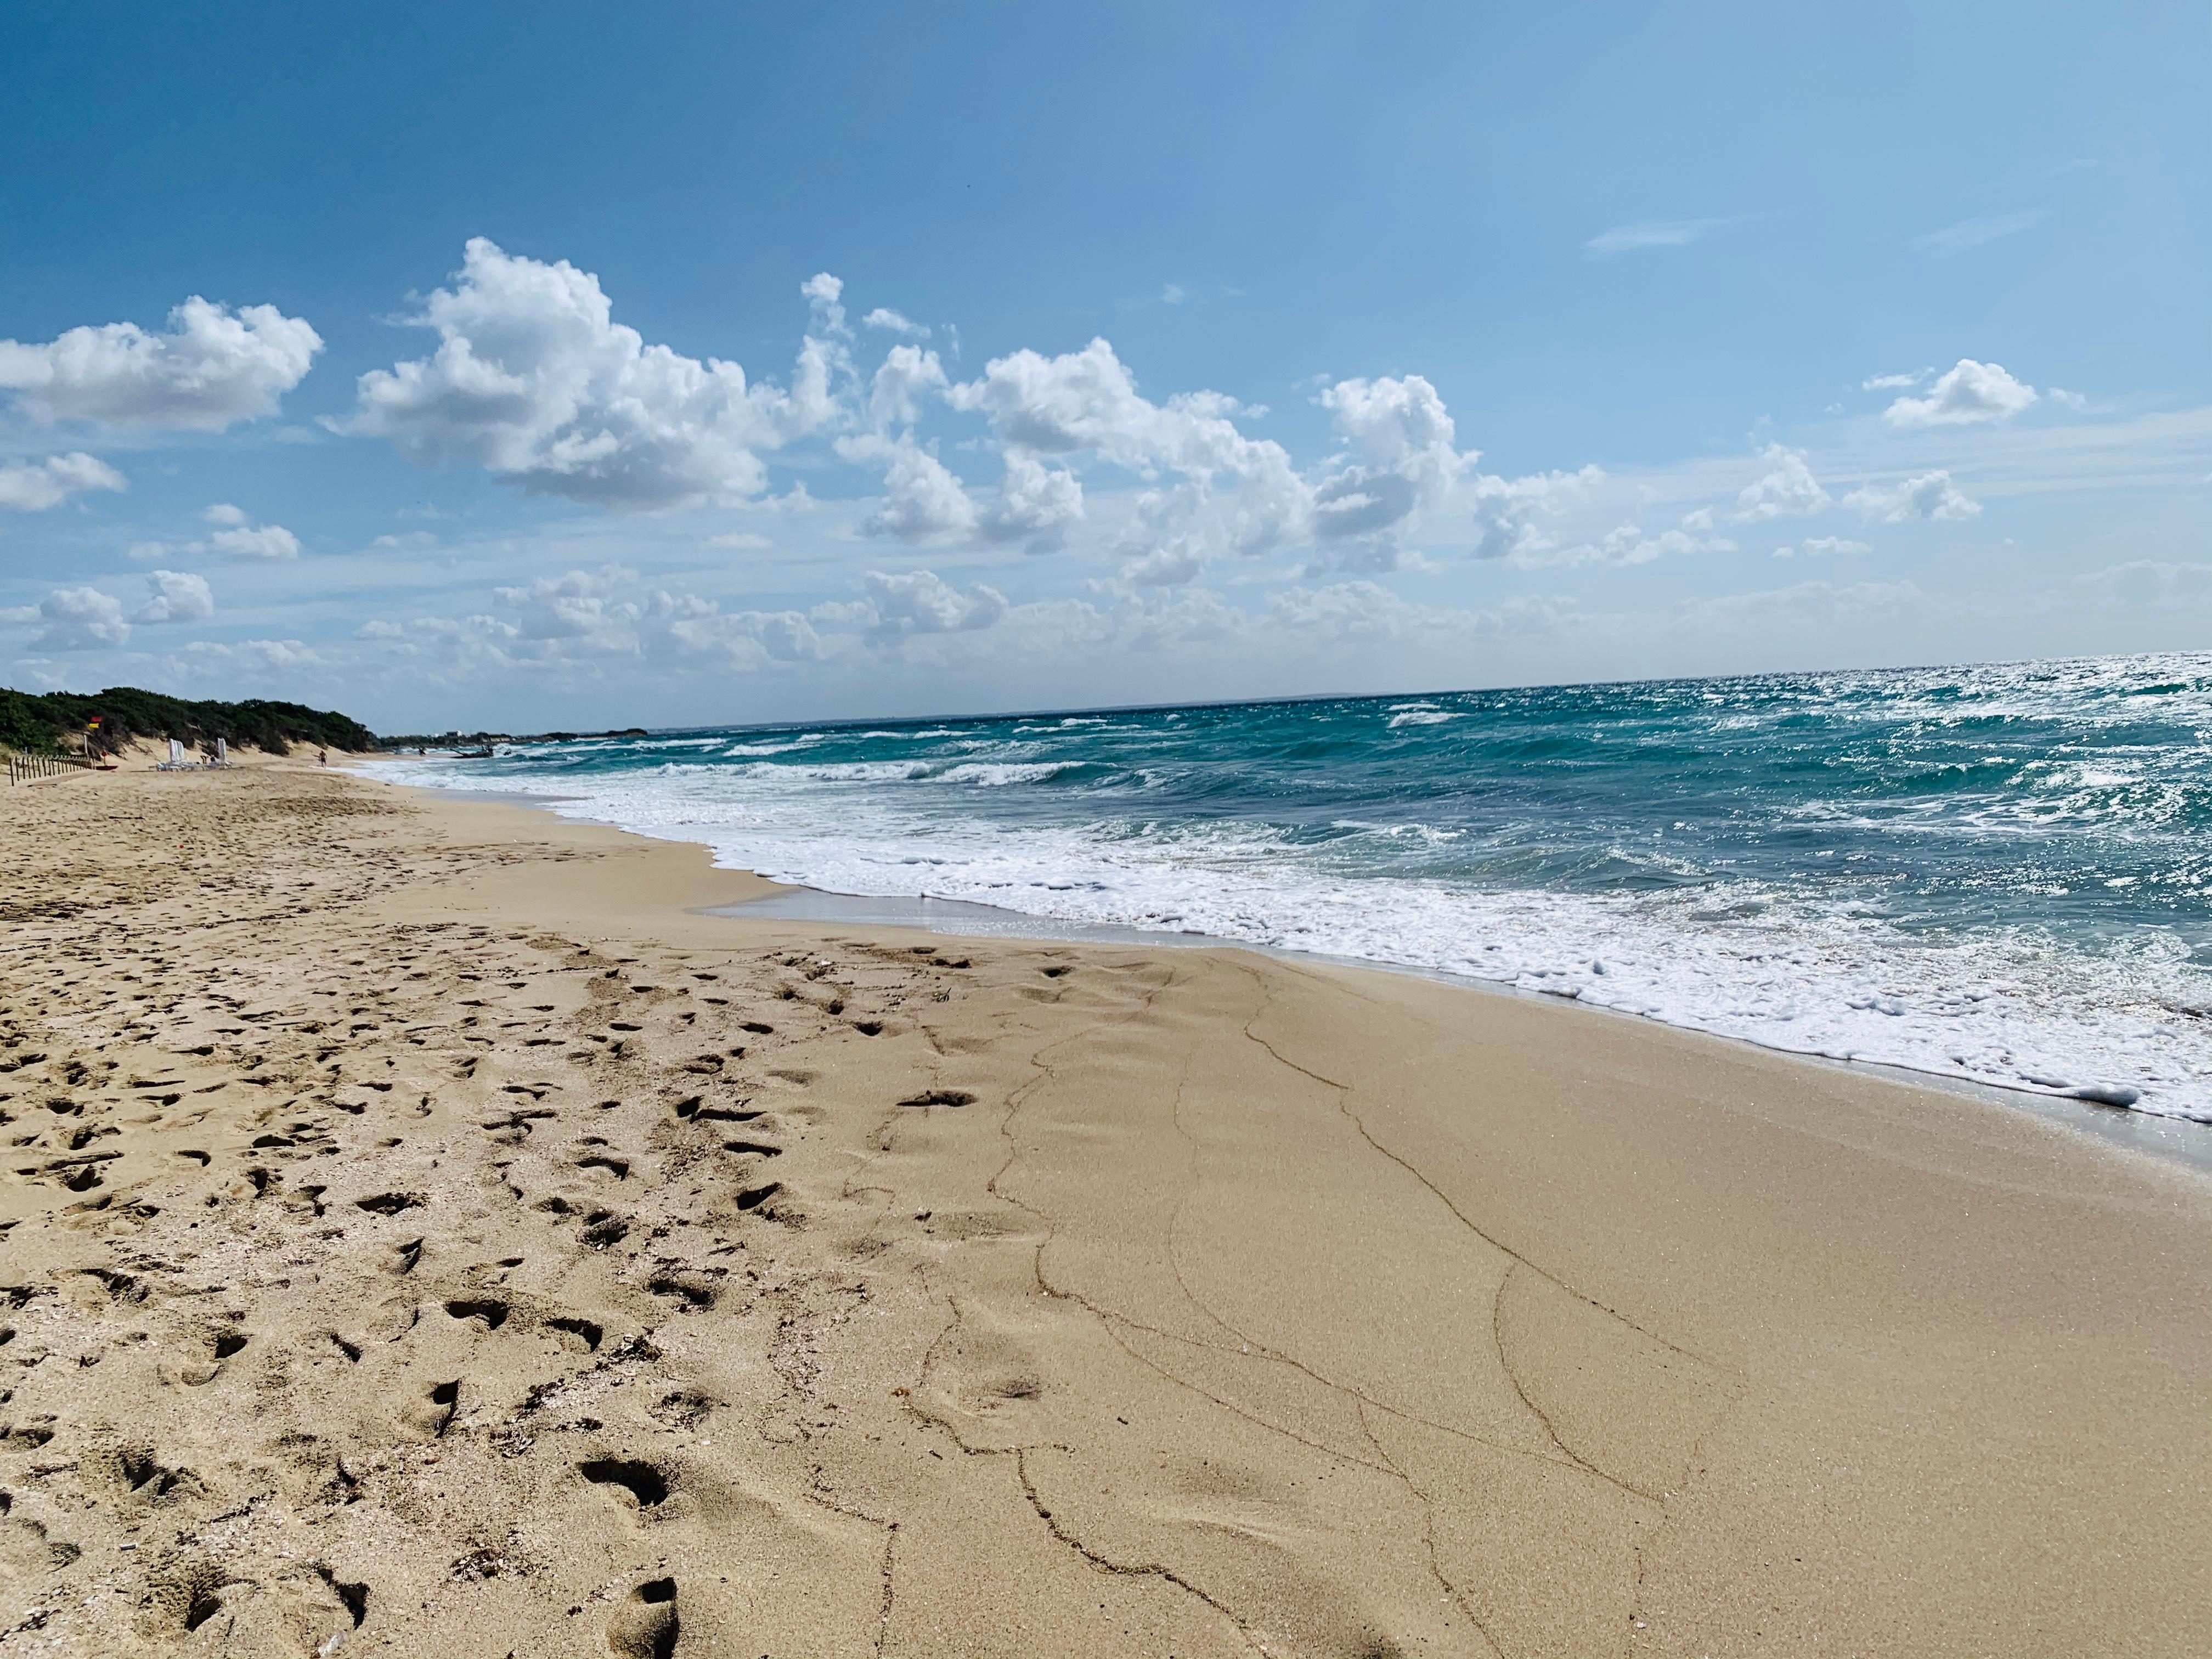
(2001, 872)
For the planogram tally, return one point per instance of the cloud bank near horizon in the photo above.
(1158, 510)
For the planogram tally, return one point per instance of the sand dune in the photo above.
(426, 1233)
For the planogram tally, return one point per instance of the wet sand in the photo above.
(429, 1231)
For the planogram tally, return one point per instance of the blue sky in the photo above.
(1165, 351)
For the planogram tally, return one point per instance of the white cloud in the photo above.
(175, 596)
(1838, 544)
(741, 540)
(1625, 544)
(1893, 382)
(80, 619)
(1974, 233)
(921, 602)
(1650, 233)
(1789, 488)
(1930, 495)
(2065, 399)
(903, 382)
(884, 318)
(922, 500)
(265, 541)
(213, 368)
(1404, 456)
(34, 486)
(1175, 563)
(239, 538)
(1173, 293)
(1504, 511)
(264, 656)
(583, 616)
(533, 381)
(1086, 402)
(823, 293)
(1968, 392)
(1036, 504)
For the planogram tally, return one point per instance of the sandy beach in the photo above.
(429, 1232)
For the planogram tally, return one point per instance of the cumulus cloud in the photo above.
(237, 538)
(921, 602)
(213, 368)
(1930, 495)
(175, 596)
(263, 541)
(902, 382)
(922, 500)
(80, 619)
(1788, 489)
(1087, 403)
(1036, 504)
(533, 381)
(1967, 393)
(34, 486)
(1172, 563)
(1506, 511)
(1088, 400)
(884, 318)
(1403, 459)
(1893, 382)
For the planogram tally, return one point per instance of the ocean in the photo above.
(2001, 873)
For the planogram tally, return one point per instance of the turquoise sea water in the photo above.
(1998, 872)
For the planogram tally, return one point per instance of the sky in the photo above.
(522, 368)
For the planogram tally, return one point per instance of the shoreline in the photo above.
(438, 1230)
(2181, 1140)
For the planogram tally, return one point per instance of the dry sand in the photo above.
(426, 1235)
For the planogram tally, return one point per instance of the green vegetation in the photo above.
(58, 719)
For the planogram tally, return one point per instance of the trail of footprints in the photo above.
(300, 1233)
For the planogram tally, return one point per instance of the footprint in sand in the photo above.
(695, 1294)
(645, 1626)
(581, 1333)
(486, 1313)
(434, 1412)
(635, 1484)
